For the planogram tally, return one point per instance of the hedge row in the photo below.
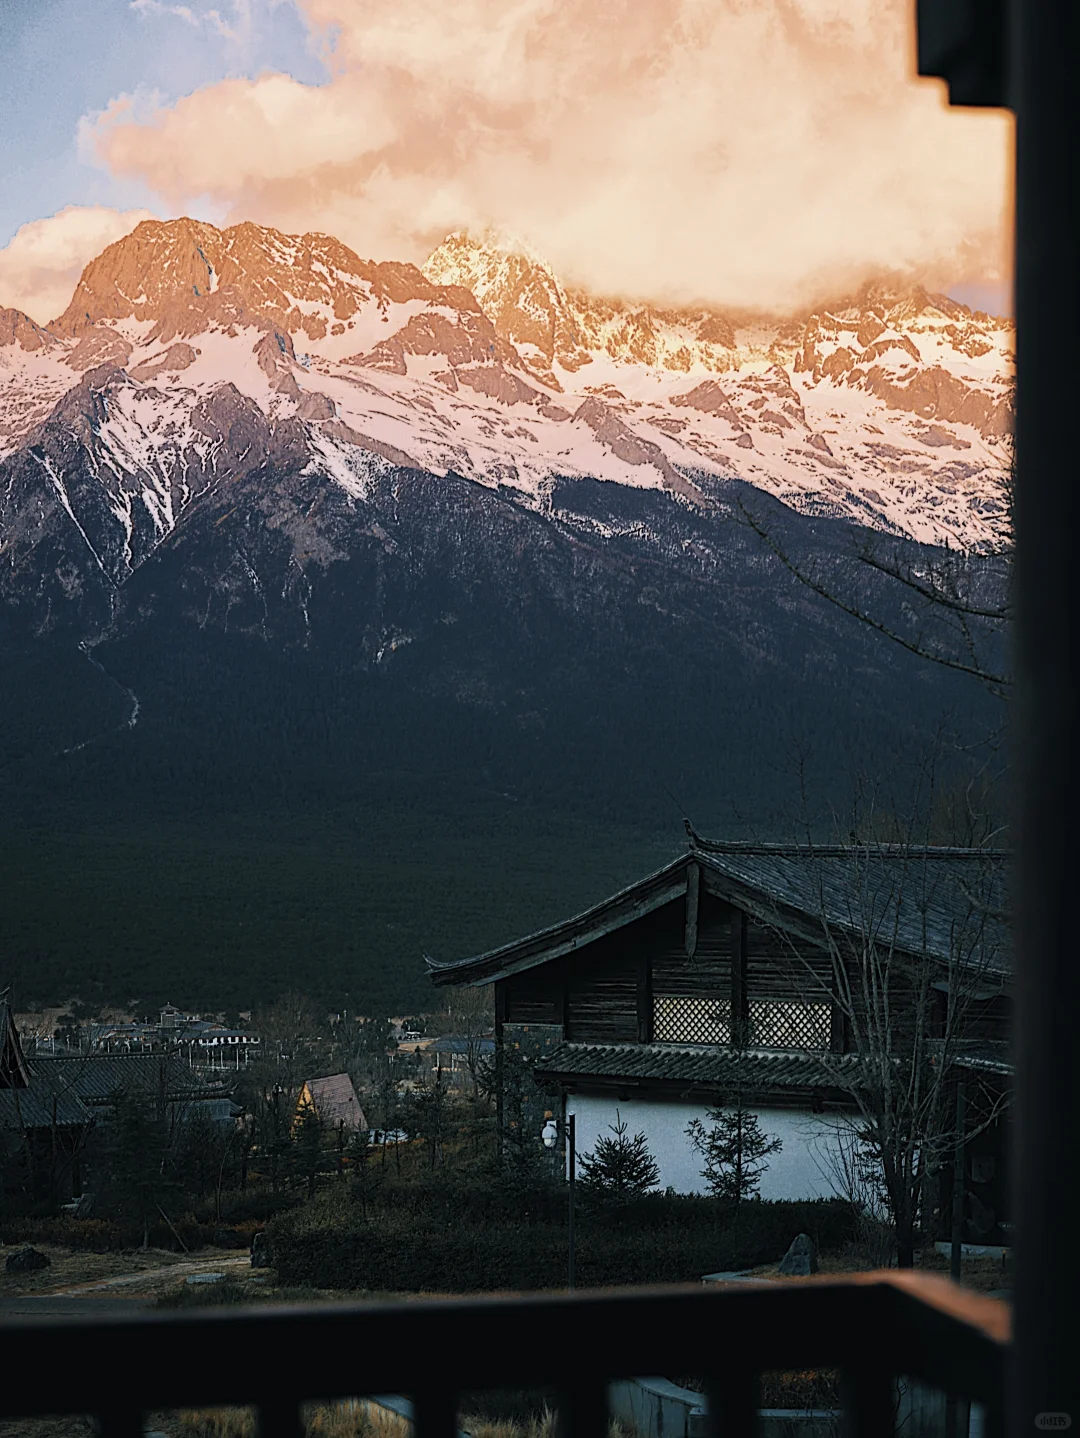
(332, 1244)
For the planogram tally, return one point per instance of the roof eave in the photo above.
(542, 947)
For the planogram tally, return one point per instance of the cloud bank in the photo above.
(746, 152)
(41, 265)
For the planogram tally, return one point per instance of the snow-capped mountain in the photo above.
(891, 409)
(267, 505)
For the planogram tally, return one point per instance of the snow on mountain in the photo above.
(189, 351)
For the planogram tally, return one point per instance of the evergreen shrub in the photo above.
(334, 1243)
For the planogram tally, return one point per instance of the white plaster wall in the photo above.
(802, 1168)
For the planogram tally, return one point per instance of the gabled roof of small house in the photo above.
(335, 1102)
(98, 1078)
(945, 903)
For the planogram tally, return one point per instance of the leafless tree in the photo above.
(908, 949)
(469, 1016)
(955, 605)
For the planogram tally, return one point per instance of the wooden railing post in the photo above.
(120, 1423)
(583, 1410)
(868, 1400)
(279, 1419)
(1043, 65)
(733, 1402)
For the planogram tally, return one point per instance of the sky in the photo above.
(758, 153)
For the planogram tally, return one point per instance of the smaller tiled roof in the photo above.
(334, 1100)
(459, 1044)
(45, 1100)
(700, 1065)
(97, 1078)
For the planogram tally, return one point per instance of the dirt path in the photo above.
(147, 1280)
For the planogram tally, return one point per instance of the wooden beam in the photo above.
(693, 894)
(837, 1029)
(740, 1004)
(644, 998)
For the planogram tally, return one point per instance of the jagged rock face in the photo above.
(886, 344)
(19, 329)
(491, 511)
(465, 336)
(89, 498)
(559, 331)
(890, 408)
(520, 296)
(182, 277)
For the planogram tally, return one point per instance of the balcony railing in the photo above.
(872, 1328)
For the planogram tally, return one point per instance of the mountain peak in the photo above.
(180, 277)
(20, 329)
(520, 294)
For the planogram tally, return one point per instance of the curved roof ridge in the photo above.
(798, 849)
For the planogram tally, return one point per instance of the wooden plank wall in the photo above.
(708, 973)
(775, 971)
(605, 992)
(534, 996)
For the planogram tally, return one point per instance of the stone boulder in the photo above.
(26, 1260)
(801, 1258)
(260, 1251)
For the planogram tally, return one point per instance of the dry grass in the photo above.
(68, 1266)
(539, 1425)
(985, 1275)
(45, 1428)
(354, 1418)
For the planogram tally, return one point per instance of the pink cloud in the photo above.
(41, 265)
(730, 152)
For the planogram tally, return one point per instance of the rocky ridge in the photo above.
(190, 356)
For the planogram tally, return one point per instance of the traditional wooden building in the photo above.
(749, 970)
(43, 1125)
(164, 1081)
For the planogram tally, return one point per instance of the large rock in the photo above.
(801, 1258)
(260, 1251)
(26, 1260)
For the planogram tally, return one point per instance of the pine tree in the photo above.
(734, 1149)
(620, 1167)
(135, 1158)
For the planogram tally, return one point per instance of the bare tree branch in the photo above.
(997, 683)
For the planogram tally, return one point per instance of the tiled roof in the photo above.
(96, 1078)
(457, 1044)
(945, 903)
(713, 1068)
(541, 947)
(33, 1107)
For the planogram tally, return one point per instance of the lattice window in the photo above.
(682, 1020)
(789, 1024)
